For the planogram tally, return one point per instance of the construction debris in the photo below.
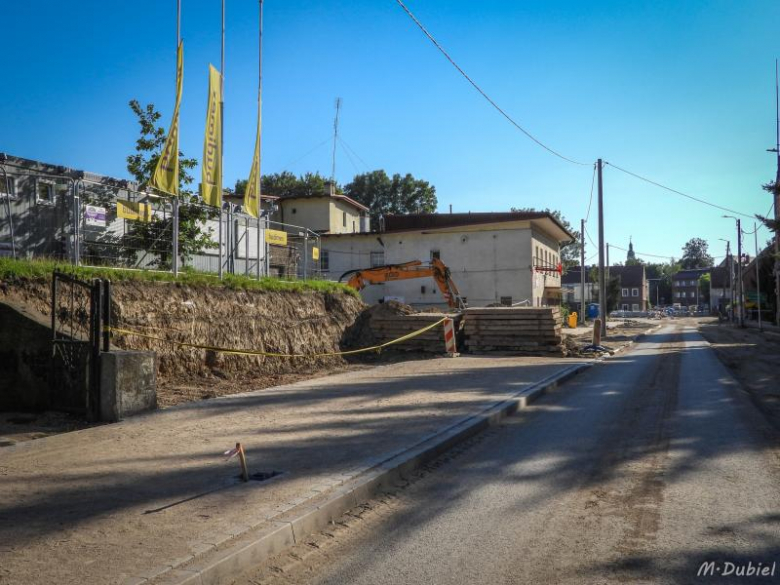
(519, 330)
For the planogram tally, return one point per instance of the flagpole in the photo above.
(259, 132)
(175, 202)
(221, 128)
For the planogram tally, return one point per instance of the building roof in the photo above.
(690, 273)
(435, 221)
(337, 196)
(633, 276)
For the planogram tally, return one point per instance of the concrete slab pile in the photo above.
(520, 330)
(389, 327)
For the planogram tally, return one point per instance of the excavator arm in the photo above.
(359, 279)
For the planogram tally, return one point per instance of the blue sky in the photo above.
(680, 92)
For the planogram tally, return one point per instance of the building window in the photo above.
(634, 307)
(8, 190)
(422, 290)
(44, 192)
(344, 219)
(377, 259)
(634, 292)
(435, 255)
(324, 260)
(624, 292)
(625, 307)
(506, 301)
(294, 210)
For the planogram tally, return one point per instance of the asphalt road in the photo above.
(641, 470)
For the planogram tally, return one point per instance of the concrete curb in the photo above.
(291, 527)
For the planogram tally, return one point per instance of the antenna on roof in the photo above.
(335, 139)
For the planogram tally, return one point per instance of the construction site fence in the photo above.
(108, 224)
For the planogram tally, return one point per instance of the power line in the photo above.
(300, 158)
(349, 157)
(480, 90)
(652, 255)
(590, 201)
(760, 224)
(352, 150)
(591, 239)
(641, 178)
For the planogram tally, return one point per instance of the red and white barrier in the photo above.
(450, 345)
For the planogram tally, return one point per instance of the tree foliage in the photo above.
(613, 289)
(664, 272)
(696, 254)
(286, 184)
(155, 236)
(384, 195)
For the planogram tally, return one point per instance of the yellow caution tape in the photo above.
(272, 354)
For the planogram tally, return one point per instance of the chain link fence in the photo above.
(98, 221)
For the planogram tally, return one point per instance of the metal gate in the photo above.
(80, 321)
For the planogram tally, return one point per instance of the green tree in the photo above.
(384, 195)
(286, 184)
(664, 272)
(613, 289)
(696, 255)
(155, 236)
(704, 289)
(570, 253)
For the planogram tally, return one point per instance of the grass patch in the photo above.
(17, 270)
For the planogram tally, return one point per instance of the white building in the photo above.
(493, 257)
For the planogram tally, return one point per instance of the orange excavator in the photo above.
(359, 279)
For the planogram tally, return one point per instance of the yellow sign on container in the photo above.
(276, 237)
(133, 210)
(315, 253)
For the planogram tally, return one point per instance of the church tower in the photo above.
(631, 255)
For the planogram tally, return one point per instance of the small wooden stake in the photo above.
(242, 459)
(597, 332)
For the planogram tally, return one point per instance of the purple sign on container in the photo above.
(95, 216)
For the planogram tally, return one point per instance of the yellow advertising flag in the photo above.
(252, 193)
(315, 253)
(211, 181)
(166, 174)
(133, 210)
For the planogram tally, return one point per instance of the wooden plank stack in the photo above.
(389, 327)
(519, 330)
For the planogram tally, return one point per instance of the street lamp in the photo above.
(740, 299)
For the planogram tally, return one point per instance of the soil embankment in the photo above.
(287, 322)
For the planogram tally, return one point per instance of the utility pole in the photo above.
(602, 275)
(335, 139)
(730, 264)
(777, 200)
(582, 271)
(739, 274)
(758, 277)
